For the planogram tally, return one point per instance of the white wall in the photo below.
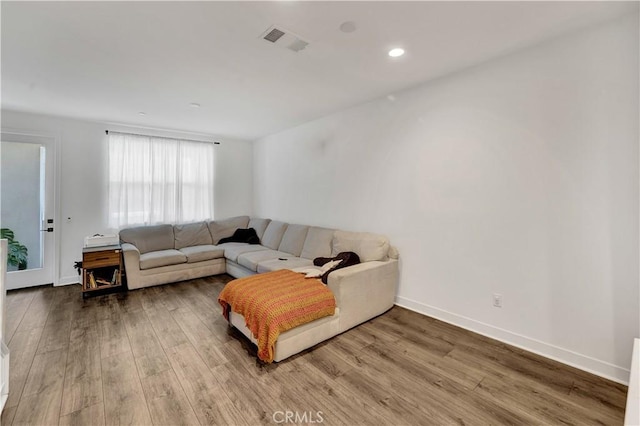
(518, 176)
(83, 178)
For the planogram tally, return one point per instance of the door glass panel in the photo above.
(22, 203)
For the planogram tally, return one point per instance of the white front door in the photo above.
(27, 198)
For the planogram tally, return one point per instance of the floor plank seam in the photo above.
(23, 316)
(476, 386)
(64, 377)
(164, 350)
(133, 356)
(35, 354)
(21, 319)
(99, 332)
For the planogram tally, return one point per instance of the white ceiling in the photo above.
(108, 61)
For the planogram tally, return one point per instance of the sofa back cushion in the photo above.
(293, 239)
(226, 227)
(191, 234)
(317, 243)
(259, 225)
(367, 246)
(149, 238)
(273, 234)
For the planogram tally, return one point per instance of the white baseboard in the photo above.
(565, 356)
(72, 279)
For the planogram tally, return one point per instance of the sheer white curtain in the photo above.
(159, 180)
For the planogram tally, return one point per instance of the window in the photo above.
(159, 180)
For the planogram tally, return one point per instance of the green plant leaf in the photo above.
(18, 253)
(7, 233)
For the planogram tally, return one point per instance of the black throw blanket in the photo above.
(242, 236)
(348, 258)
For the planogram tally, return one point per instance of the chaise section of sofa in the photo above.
(362, 291)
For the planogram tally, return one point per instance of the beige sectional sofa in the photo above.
(168, 253)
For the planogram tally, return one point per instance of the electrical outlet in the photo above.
(497, 300)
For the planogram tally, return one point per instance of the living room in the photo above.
(499, 154)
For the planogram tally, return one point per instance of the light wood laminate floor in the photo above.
(164, 355)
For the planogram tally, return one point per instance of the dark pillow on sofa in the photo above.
(242, 236)
(347, 258)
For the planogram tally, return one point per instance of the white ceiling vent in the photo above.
(284, 38)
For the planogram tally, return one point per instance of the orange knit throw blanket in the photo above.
(275, 302)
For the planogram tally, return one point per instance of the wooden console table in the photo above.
(101, 269)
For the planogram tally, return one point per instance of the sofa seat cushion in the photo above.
(277, 264)
(201, 253)
(251, 260)
(233, 250)
(154, 259)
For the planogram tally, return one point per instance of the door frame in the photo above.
(52, 143)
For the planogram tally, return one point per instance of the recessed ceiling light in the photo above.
(348, 27)
(194, 105)
(142, 113)
(394, 53)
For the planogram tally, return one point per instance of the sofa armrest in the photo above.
(131, 265)
(130, 251)
(131, 258)
(364, 291)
